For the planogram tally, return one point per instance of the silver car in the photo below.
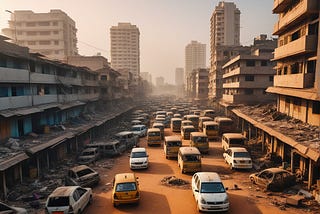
(68, 199)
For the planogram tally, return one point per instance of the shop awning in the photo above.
(309, 94)
(11, 161)
(19, 112)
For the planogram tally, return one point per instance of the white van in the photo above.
(233, 140)
(209, 192)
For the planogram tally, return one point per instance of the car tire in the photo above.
(90, 200)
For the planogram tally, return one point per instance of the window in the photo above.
(295, 35)
(56, 42)
(264, 63)
(3, 92)
(248, 91)
(30, 24)
(55, 23)
(295, 68)
(270, 78)
(311, 66)
(31, 43)
(250, 63)
(44, 42)
(316, 107)
(31, 33)
(249, 78)
(43, 23)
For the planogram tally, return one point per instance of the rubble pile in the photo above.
(174, 181)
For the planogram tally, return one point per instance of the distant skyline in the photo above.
(166, 26)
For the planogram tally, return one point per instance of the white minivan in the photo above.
(209, 192)
(139, 158)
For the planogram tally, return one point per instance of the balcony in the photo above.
(45, 99)
(280, 5)
(295, 80)
(12, 75)
(303, 45)
(90, 82)
(43, 78)
(69, 81)
(298, 13)
(247, 99)
(15, 102)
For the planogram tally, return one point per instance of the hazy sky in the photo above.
(166, 26)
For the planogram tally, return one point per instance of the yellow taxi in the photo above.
(125, 189)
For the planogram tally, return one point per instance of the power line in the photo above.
(100, 49)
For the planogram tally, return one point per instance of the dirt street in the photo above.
(159, 198)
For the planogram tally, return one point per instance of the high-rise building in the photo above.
(125, 48)
(179, 76)
(159, 81)
(195, 56)
(297, 80)
(52, 34)
(224, 43)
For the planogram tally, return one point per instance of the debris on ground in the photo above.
(174, 181)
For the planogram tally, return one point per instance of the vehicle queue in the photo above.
(197, 129)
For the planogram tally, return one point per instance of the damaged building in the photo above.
(48, 111)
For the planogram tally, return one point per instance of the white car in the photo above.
(140, 130)
(68, 199)
(237, 158)
(209, 192)
(139, 158)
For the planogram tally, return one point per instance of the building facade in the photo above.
(224, 41)
(297, 81)
(246, 76)
(125, 48)
(52, 34)
(179, 76)
(195, 56)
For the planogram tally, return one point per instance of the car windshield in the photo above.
(84, 172)
(135, 129)
(212, 187)
(58, 201)
(124, 187)
(138, 154)
(191, 158)
(212, 127)
(174, 143)
(237, 141)
(200, 139)
(241, 155)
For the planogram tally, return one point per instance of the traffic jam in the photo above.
(182, 133)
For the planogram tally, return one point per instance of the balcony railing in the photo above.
(280, 5)
(302, 45)
(298, 13)
(295, 80)
(9, 75)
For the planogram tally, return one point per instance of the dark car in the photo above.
(273, 179)
(83, 176)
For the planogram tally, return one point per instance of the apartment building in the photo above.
(247, 76)
(179, 76)
(52, 34)
(125, 48)
(195, 56)
(197, 85)
(224, 42)
(297, 80)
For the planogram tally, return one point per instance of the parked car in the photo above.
(7, 209)
(209, 192)
(68, 199)
(127, 138)
(140, 130)
(125, 189)
(273, 179)
(139, 158)
(82, 176)
(109, 148)
(89, 155)
(238, 158)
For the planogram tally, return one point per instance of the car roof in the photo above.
(153, 130)
(138, 149)
(79, 168)
(123, 133)
(188, 127)
(189, 150)
(63, 191)
(157, 124)
(90, 149)
(210, 123)
(138, 126)
(124, 177)
(238, 149)
(234, 135)
(276, 170)
(173, 138)
(209, 176)
(198, 134)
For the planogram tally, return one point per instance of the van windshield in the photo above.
(212, 187)
(191, 158)
(236, 141)
(138, 155)
(200, 139)
(212, 127)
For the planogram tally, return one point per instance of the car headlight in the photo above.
(226, 200)
(203, 201)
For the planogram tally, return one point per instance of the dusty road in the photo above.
(158, 198)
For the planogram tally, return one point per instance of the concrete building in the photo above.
(179, 76)
(195, 56)
(224, 43)
(159, 81)
(246, 76)
(297, 82)
(146, 76)
(197, 85)
(52, 34)
(125, 48)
